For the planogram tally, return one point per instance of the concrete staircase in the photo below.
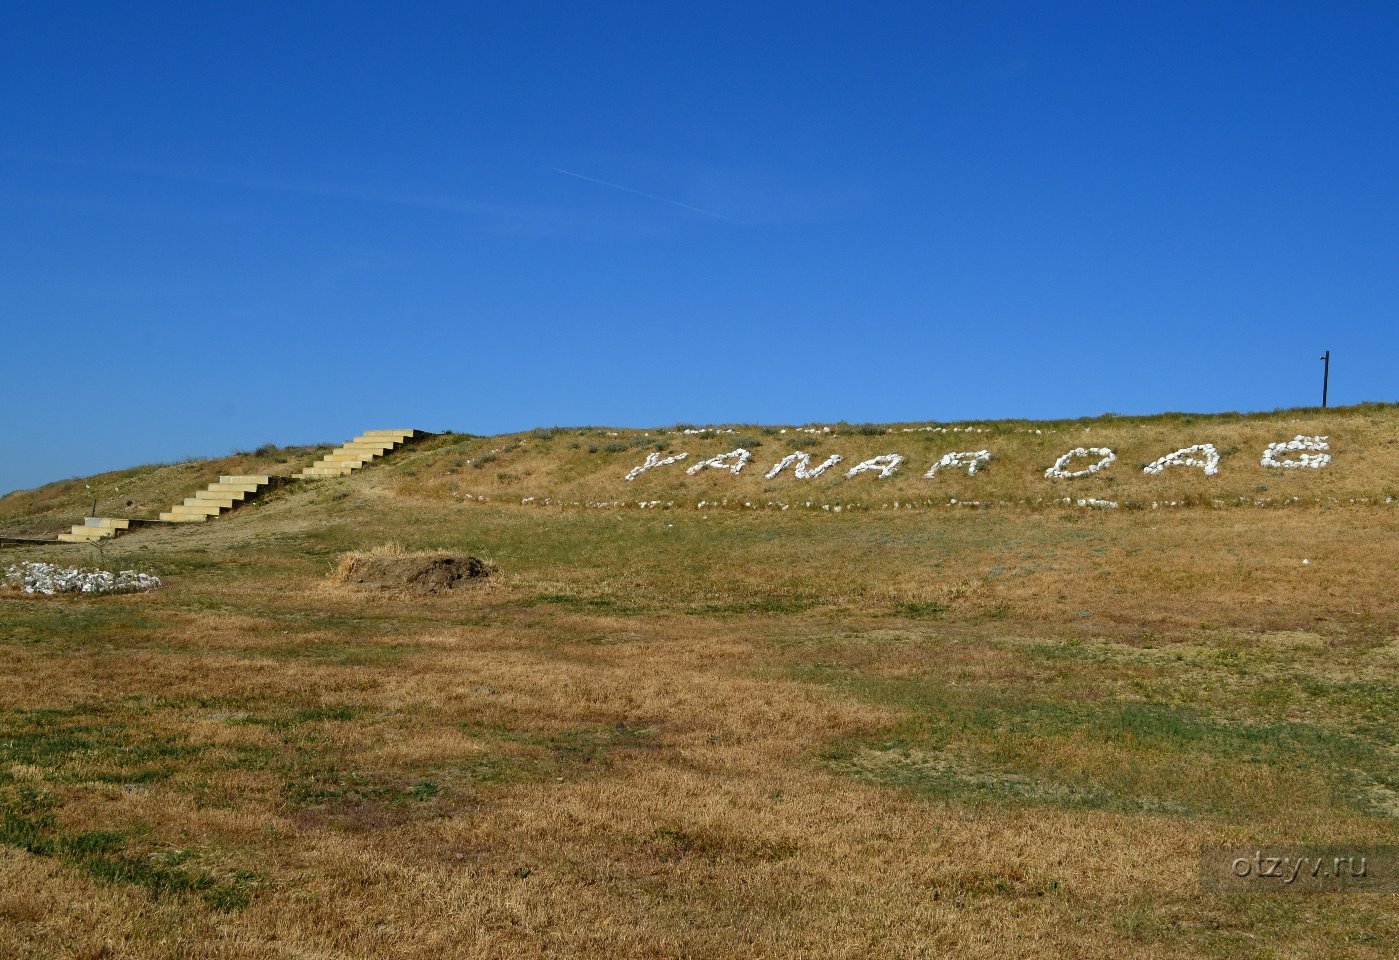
(95, 528)
(229, 492)
(346, 459)
(214, 499)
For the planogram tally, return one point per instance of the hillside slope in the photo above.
(870, 732)
(136, 492)
(581, 467)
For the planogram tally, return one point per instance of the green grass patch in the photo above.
(343, 713)
(108, 855)
(72, 748)
(326, 784)
(982, 743)
(75, 622)
(524, 756)
(920, 609)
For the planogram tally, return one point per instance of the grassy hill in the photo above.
(137, 492)
(583, 466)
(1001, 730)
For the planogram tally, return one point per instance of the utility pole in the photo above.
(1325, 375)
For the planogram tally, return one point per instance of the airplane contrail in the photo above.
(639, 193)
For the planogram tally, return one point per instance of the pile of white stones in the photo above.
(882, 466)
(1313, 461)
(1060, 469)
(1186, 458)
(733, 461)
(804, 470)
(971, 460)
(49, 579)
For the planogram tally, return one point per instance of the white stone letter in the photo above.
(732, 461)
(1315, 460)
(973, 461)
(653, 460)
(886, 465)
(1057, 472)
(1183, 458)
(804, 470)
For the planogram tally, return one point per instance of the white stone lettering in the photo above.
(973, 461)
(732, 461)
(1314, 461)
(804, 470)
(1057, 472)
(653, 460)
(1185, 458)
(885, 465)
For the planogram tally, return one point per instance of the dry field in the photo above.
(728, 731)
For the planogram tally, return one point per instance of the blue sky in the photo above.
(222, 225)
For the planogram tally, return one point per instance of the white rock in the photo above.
(1057, 472)
(48, 579)
(733, 461)
(804, 470)
(885, 465)
(1183, 458)
(973, 461)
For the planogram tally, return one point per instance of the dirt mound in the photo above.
(393, 568)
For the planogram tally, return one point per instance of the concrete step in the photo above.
(317, 473)
(171, 516)
(356, 452)
(82, 534)
(192, 505)
(233, 488)
(219, 496)
(260, 480)
(363, 449)
(202, 503)
(115, 523)
(372, 449)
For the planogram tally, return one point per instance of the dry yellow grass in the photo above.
(1000, 733)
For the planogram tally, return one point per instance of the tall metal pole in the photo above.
(1325, 375)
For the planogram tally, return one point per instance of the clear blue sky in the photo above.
(227, 224)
